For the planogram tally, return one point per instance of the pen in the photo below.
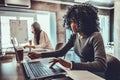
(52, 64)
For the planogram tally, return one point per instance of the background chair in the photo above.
(113, 68)
(59, 46)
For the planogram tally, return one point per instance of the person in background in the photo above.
(41, 39)
(86, 39)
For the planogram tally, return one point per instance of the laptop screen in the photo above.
(18, 52)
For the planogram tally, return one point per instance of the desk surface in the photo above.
(10, 70)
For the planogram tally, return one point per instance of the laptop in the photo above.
(39, 70)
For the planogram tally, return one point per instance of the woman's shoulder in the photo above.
(96, 34)
(43, 32)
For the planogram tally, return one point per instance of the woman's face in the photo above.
(74, 27)
(33, 31)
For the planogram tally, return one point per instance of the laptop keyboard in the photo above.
(39, 70)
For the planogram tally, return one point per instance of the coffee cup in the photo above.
(30, 42)
(19, 54)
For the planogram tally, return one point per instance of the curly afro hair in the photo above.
(85, 16)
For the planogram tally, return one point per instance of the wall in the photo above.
(112, 25)
(59, 9)
(117, 29)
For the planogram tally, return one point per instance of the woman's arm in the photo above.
(58, 53)
(63, 51)
(99, 63)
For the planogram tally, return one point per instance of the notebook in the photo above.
(39, 70)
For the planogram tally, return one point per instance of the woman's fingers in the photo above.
(53, 61)
(33, 55)
(29, 46)
(61, 61)
(51, 66)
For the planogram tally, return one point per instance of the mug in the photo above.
(19, 54)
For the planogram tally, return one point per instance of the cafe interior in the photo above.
(49, 14)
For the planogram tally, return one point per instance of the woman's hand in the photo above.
(61, 61)
(34, 55)
(28, 46)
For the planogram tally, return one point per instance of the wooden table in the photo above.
(11, 70)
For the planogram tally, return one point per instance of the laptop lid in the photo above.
(15, 49)
(16, 53)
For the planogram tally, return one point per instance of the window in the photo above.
(29, 21)
(43, 18)
(104, 25)
(5, 31)
(48, 24)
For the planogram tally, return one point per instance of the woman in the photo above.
(41, 39)
(86, 39)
